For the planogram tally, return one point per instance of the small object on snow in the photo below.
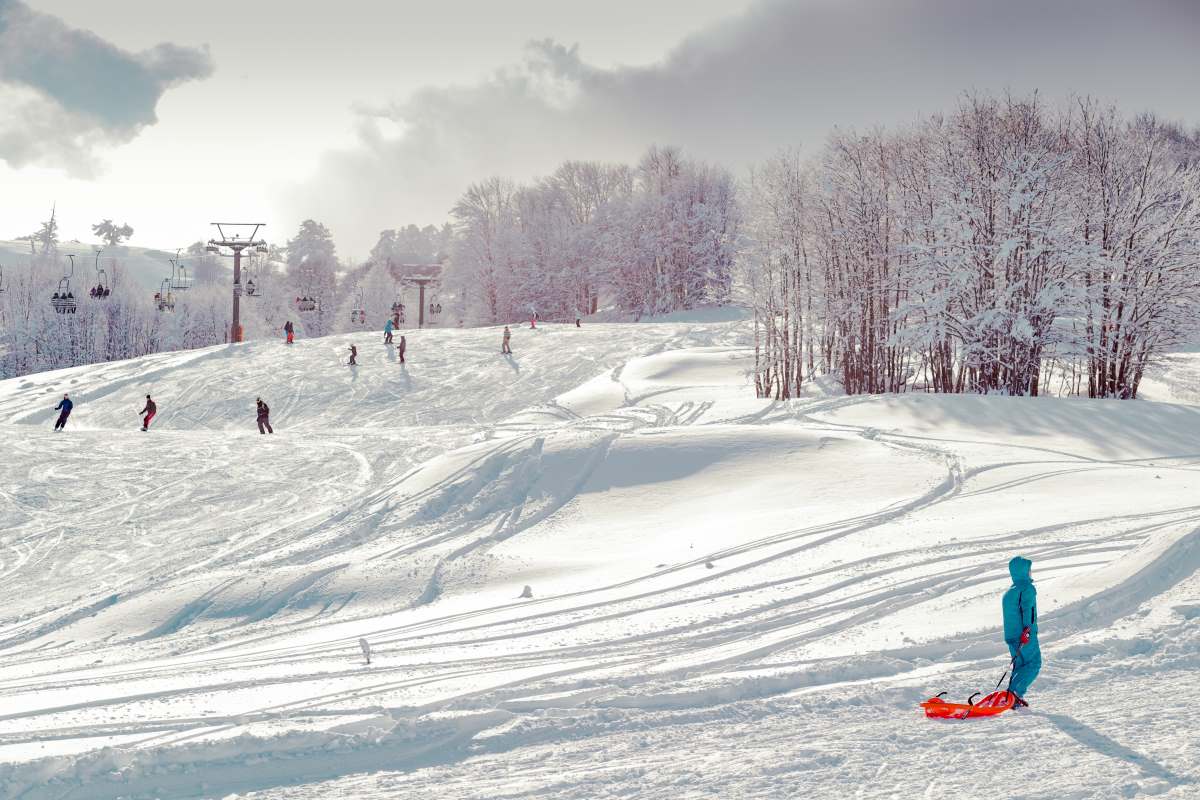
(708, 564)
(366, 650)
(527, 591)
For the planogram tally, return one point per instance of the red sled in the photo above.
(995, 703)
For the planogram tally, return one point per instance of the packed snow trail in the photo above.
(182, 610)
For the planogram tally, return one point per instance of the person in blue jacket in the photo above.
(1021, 628)
(65, 405)
(388, 327)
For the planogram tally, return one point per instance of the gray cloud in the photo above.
(67, 92)
(781, 74)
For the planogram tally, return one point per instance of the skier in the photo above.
(290, 331)
(65, 405)
(387, 332)
(577, 323)
(264, 417)
(1021, 628)
(403, 347)
(353, 356)
(148, 412)
(505, 348)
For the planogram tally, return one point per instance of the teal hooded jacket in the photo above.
(1020, 603)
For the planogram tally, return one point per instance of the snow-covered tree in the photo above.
(111, 233)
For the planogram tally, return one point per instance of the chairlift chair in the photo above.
(358, 314)
(163, 298)
(180, 280)
(63, 300)
(3, 287)
(101, 291)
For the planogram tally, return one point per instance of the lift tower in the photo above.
(235, 242)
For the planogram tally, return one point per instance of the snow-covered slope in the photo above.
(598, 568)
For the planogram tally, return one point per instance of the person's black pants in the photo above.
(265, 422)
(62, 420)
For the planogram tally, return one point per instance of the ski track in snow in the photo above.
(731, 597)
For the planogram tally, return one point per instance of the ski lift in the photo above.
(358, 315)
(180, 280)
(63, 301)
(163, 298)
(307, 304)
(101, 291)
(3, 288)
(251, 288)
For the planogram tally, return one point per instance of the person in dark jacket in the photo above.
(264, 417)
(353, 356)
(403, 347)
(504, 347)
(1021, 627)
(65, 405)
(290, 331)
(148, 413)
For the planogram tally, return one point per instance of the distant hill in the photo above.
(145, 266)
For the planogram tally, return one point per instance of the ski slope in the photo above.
(599, 568)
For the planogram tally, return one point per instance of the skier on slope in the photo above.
(505, 348)
(403, 347)
(65, 405)
(148, 413)
(264, 417)
(1021, 628)
(387, 331)
(353, 356)
(290, 331)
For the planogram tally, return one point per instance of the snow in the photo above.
(727, 597)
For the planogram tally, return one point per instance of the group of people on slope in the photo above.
(149, 411)
(389, 329)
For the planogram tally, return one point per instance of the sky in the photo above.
(172, 115)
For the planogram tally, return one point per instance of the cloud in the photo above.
(67, 92)
(782, 74)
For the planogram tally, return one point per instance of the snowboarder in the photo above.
(290, 331)
(388, 327)
(505, 348)
(148, 413)
(65, 405)
(353, 356)
(403, 347)
(264, 417)
(1021, 628)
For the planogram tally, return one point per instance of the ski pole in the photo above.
(1012, 669)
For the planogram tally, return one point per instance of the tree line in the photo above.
(1003, 248)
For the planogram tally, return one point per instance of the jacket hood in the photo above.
(1019, 569)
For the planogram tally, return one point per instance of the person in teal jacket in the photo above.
(1021, 628)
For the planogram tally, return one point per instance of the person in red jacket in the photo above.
(148, 413)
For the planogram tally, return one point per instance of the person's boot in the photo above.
(1020, 702)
